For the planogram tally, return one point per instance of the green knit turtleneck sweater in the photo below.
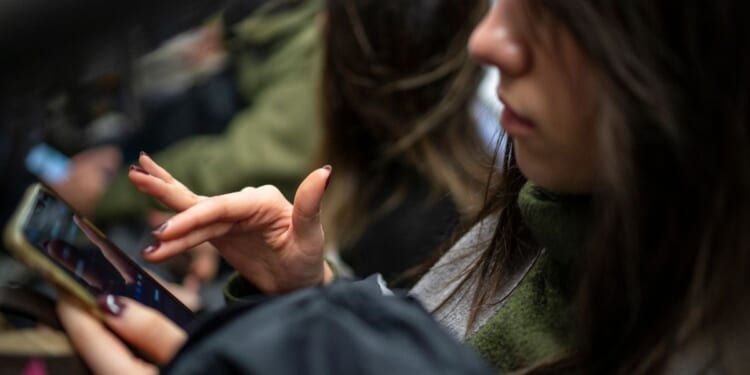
(537, 320)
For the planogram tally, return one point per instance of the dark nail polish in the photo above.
(327, 167)
(151, 248)
(161, 228)
(109, 303)
(138, 169)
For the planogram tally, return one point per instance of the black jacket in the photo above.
(346, 328)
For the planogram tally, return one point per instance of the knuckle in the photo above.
(268, 190)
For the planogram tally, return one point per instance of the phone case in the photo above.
(28, 254)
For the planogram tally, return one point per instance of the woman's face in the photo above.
(549, 99)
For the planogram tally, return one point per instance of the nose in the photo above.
(495, 43)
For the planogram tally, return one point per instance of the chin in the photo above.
(550, 175)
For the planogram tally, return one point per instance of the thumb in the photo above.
(144, 328)
(306, 213)
(103, 352)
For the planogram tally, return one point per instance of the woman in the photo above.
(617, 242)
(399, 129)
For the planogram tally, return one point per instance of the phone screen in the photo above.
(86, 255)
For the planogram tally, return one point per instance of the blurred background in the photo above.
(75, 74)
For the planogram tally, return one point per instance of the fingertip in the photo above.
(110, 304)
(151, 249)
(135, 168)
(161, 228)
(328, 169)
(147, 162)
(157, 252)
(138, 178)
(307, 202)
(310, 191)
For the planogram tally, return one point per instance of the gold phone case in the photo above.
(29, 255)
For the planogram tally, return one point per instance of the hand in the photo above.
(203, 262)
(275, 245)
(106, 158)
(146, 330)
(210, 44)
(88, 177)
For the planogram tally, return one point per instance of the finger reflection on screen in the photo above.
(74, 260)
(115, 258)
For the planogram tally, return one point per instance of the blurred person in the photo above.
(273, 45)
(398, 126)
(616, 241)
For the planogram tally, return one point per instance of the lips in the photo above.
(515, 124)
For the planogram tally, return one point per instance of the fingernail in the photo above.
(138, 169)
(151, 248)
(143, 153)
(161, 228)
(110, 304)
(330, 173)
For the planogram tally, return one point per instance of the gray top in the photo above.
(437, 286)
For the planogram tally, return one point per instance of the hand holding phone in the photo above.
(155, 337)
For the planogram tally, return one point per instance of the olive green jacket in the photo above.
(271, 141)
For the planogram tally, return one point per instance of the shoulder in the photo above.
(471, 243)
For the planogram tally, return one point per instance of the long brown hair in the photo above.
(669, 257)
(672, 252)
(397, 90)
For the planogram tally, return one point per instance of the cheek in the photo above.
(575, 120)
(563, 157)
(573, 103)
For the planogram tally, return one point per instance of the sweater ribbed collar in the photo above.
(559, 222)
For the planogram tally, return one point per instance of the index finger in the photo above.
(173, 195)
(256, 208)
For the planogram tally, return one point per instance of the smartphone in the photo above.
(45, 162)
(69, 251)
